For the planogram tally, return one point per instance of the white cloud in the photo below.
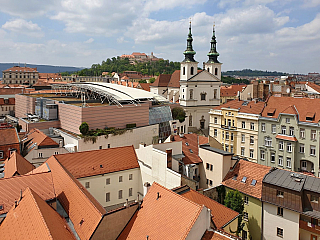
(90, 40)
(311, 3)
(156, 5)
(23, 27)
(121, 40)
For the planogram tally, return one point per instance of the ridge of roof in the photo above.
(161, 81)
(16, 164)
(8, 136)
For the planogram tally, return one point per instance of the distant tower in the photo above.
(188, 65)
(213, 65)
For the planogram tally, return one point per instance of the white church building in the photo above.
(197, 91)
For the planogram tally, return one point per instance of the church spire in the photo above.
(189, 52)
(213, 54)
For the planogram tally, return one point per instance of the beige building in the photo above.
(7, 106)
(235, 125)
(112, 175)
(20, 75)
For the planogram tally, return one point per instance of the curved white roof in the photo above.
(122, 93)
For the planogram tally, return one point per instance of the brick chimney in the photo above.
(169, 158)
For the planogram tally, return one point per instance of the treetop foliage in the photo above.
(253, 73)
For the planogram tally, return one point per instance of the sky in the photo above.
(273, 35)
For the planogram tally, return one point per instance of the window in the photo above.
(120, 194)
(87, 184)
(304, 165)
(254, 182)
(242, 151)
(229, 122)
(251, 126)
(232, 122)
(203, 96)
(268, 141)
(184, 70)
(130, 192)
(227, 148)
(301, 149)
(100, 147)
(222, 135)
(314, 199)
(231, 149)
(245, 216)
(216, 71)
(210, 182)
(107, 197)
(263, 127)
(280, 211)
(280, 161)
(313, 134)
(191, 70)
(215, 120)
(108, 145)
(227, 135)
(279, 232)
(234, 177)
(40, 155)
(191, 94)
(243, 138)
(283, 130)
(291, 131)
(246, 200)
(231, 136)
(120, 178)
(244, 235)
(251, 153)
(56, 153)
(207, 181)
(272, 157)
(211, 167)
(288, 162)
(302, 133)
(287, 120)
(273, 128)
(251, 139)
(208, 166)
(289, 147)
(243, 124)
(1, 154)
(107, 181)
(280, 145)
(312, 150)
(130, 176)
(262, 155)
(190, 120)
(225, 121)
(215, 132)
(279, 193)
(215, 93)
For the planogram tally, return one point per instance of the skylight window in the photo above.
(187, 143)
(253, 183)
(235, 177)
(191, 150)
(244, 179)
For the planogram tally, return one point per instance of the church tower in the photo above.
(213, 66)
(189, 66)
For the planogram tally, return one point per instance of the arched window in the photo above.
(191, 93)
(208, 69)
(184, 70)
(190, 120)
(191, 70)
(216, 71)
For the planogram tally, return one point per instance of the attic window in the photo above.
(1, 207)
(310, 116)
(244, 179)
(187, 143)
(191, 150)
(253, 183)
(271, 112)
(235, 177)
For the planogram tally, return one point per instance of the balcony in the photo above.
(226, 127)
(309, 227)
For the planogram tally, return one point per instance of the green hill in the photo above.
(252, 73)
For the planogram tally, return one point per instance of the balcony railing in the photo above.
(309, 227)
(228, 127)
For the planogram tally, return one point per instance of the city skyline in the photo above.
(257, 34)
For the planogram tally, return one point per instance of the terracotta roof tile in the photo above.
(175, 79)
(145, 86)
(161, 81)
(33, 218)
(218, 235)
(250, 170)
(41, 139)
(232, 90)
(8, 136)
(221, 215)
(314, 86)
(252, 106)
(16, 164)
(289, 138)
(101, 161)
(21, 69)
(169, 217)
(305, 107)
(191, 142)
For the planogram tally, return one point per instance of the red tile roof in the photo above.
(41, 139)
(252, 106)
(218, 235)
(53, 76)
(289, 138)
(8, 136)
(161, 81)
(191, 142)
(232, 90)
(221, 215)
(16, 164)
(11, 101)
(145, 86)
(170, 216)
(101, 161)
(314, 86)
(175, 79)
(305, 107)
(33, 218)
(250, 170)
(21, 69)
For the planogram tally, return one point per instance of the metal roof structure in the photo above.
(114, 93)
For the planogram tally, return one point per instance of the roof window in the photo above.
(271, 111)
(1, 207)
(235, 177)
(244, 179)
(253, 183)
(187, 143)
(310, 116)
(191, 150)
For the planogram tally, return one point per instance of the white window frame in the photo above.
(246, 200)
(302, 133)
(280, 161)
(281, 145)
(252, 126)
(251, 139)
(263, 127)
(1, 155)
(284, 130)
(243, 124)
(287, 120)
(312, 150)
(288, 162)
(251, 153)
(289, 147)
(245, 216)
(262, 154)
(301, 148)
(243, 151)
(215, 132)
(227, 135)
(243, 138)
(268, 141)
(215, 120)
(313, 134)
(291, 131)
(274, 157)
(273, 128)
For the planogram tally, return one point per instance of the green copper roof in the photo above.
(213, 54)
(189, 52)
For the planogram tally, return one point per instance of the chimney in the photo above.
(169, 158)
(146, 187)
(60, 143)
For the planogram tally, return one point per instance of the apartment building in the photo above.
(291, 205)
(289, 134)
(235, 125)
(9, 142)
(20, 75)
(7, 106)
(231, 92)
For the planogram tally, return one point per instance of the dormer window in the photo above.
(271, 112)
(310, 116)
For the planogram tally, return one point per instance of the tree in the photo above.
(234, 201)
(151, 80)
(84, 128)
(178, 113)
(143, 81)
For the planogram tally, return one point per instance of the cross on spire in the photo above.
(189, 52)
(213, 54)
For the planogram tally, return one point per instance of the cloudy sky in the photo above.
(282, 35)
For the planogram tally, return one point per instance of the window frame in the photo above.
(263, 127)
